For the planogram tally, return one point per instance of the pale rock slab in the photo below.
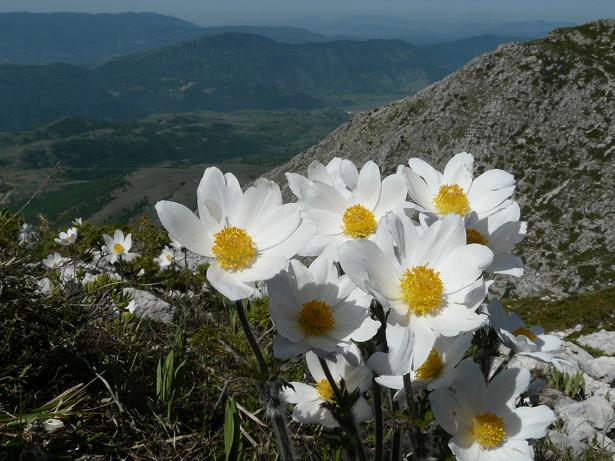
(603, 340)
(150, 307)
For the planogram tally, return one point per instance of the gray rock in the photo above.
(150, 307)
(596, 411)
(554, 399)
(603, 340)
(602, 368)
(595, 387)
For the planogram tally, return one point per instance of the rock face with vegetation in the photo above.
(543, 110)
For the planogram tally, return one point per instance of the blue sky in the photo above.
(209, 12)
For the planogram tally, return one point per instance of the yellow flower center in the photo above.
(432, 367)
(488, 430)
(451, 199)
(421, 289)
(359, 222)
(522, 331)
(169, 257)
(325, 391)
(316, 318)
(118, 248)
(473, 236)
(233, 248)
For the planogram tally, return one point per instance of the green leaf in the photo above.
(233, 447)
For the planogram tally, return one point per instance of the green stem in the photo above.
(378, 416)
(396, 446)
(411, 412)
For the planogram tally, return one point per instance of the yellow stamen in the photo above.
(325, 391)
(431, 367)
(421, 289)
(522, 331)
(118, 248)
(359, 222)
(473, 236)
(169, 257)
(451, 199)
(316, 318)
(233, 248)
(488, 430)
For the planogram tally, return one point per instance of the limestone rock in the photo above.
(149, 306)
(602, 368)
(596, 411)
(603, 340)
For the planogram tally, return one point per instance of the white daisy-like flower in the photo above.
(309, 399)
(250, 235)
(77, 222)
(118, 246)
(455, 191)
(436, 371)
(315, 308)
(522, 340)
(483, 419)
(166, 257)
(131, 306)
(67, 238)
(431, 280)
(341, 174)
(351, 212)
(54, 261)
(26, 234)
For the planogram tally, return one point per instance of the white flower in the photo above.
(315, 308)
(483, 419)
(118, 246)
(53, 261)
(341, 174)
(77, 222)
(351, 212)
(67, 238)
(27, 234)
(432, 282)
(500, 231)
(166, 257)
(251, 235)
(436, 371)
(141, 272)
(310, 399)
(522, 340)
(454, 191)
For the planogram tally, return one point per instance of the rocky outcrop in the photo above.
(543, 110)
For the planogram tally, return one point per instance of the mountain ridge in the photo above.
(544, 111)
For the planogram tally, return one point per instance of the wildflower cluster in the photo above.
(395, 293)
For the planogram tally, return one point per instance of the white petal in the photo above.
(258, 203)
(507, 265)
(301, 393)
(296, 182)
(470, 387)
(432, 177)
(185, 227)
(463, 266)
(227, 283)
(441, 239)
(315, 368)
(506, 386)
(318, 172)
(349, 173)
(418, 190)
(534, 422)
(368, 185)
(361, 411)
(370, 269)
(445, 409)
(489, 190)
(392, 195)
(283, 349)
(275, 226)
(321, 196)
(324, 270)
(459, 169)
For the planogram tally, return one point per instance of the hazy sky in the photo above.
(211, 12)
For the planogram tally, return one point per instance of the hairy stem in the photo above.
(396, 446)
(245, 325)
(411, 412)
(379, 456)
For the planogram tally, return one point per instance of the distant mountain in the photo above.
(221, 73)
(421, 32)
(543, 110)
(38, 38)
(81, 38)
